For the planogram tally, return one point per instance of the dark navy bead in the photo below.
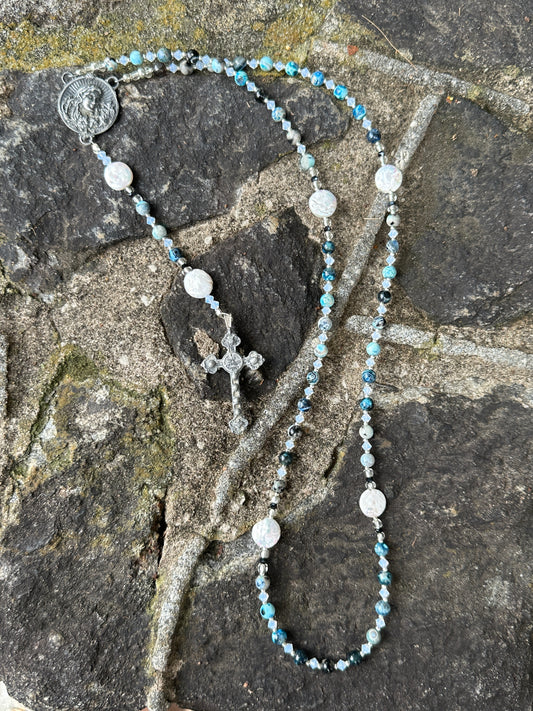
(279, 636)
(384, 297)
(285, 458)
(295, 431)
(329, 274)
(379, 322)
(328, 247)
(355, 657)
(381, 549)
(300, 657)
(260, 96)
(304, 404)
(313, 377)
(369, 376)
(327, 666)
(373, 136)
(174, 254)
(239, 63)
(192, 56)
(366, 403)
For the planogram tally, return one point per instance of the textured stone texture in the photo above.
(83, 524)
(457, 524)
(275, 268)
(479, 34)
(470, 257)
(214, 125)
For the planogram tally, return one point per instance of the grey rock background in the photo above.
(118, 470)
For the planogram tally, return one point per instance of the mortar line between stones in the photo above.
(406, 335)
(251, 443)
(437, 81)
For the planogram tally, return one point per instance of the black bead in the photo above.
(391, 203)
(381, 153)
(379, 530)
(328, 228)
(370, 479)
(261, 96)
(327, 666)
(192, 56)
(239, 63)
(285, 458)
(355, 657)
(300, 657)
(273, 506)
(314, 178)
(263, 560)
(295, 431)
(384, 297)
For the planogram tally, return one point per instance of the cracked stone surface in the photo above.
(457, 525)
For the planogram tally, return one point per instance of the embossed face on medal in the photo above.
(88, 105)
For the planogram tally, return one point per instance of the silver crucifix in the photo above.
(232, 362)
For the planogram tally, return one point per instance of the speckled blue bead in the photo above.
(262, 583)
(359, 112)
(164, 55)
(240, 78)
(267, 610)
(384, 297)
(313, 377)
(328, 247)
(317, 78)
(378, 322)
(381, 548)
(366, 403)
(382, 607)
(307, 161)
(329, 274)
(158, 231)
(389, 272)
(321, 350)
(300, 657)
(143, 208)
(279, 636)
(393, 246)
(291, 68)
(373, 136)
(385, 577)
(136, 57)
(327, 300)
(367, 460)
(174, 254)
(373, 348)
(304, 404)
(278, 114)
(369, 376)
(373, 636)
(340, 92)
(266, 63)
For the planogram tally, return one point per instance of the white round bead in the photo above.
(388, 178)
(366, 431)
(266, 533)
(198, 283)
(323, 203)
(118, 175)
(372, 502)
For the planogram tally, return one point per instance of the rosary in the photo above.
(89, 105)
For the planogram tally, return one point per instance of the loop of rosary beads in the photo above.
(322, 203)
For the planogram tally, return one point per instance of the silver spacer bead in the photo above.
(381, 537)
(137, 198)
(378, 145)
(271, 513)
(262, 568)
(369, 472)
(129, 190)
(370, 484)
(181, 262)
(95, 147)
(186, 270)
(265, 553)
(378, 523)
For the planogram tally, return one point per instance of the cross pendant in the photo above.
(232, 362)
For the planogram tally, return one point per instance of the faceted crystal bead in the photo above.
(380, 623)
(330, 84)
(382, 309)
(314, 663)
(288, 648)
(388, 178)
(365, 649)
(367, 124)
(342, 664)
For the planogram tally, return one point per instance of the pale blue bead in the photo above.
(307, 161)
(266, 64)
(367, 460)
(373, 636)
(278, 114)
(317, 79)
(143, 208)
(262, 583)
(136, 57)
(321, 351)
(241, 78)
(327, 300)
(389, 272)
(158, 231)
(373, 348)
(382, 608)
(164, 55)
(217, 66)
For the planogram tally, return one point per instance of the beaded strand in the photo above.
(322, 203)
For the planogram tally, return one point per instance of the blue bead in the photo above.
(291, 68)
(384, 577)
(279, 636)
(143, 208)
(328, 274)
(300, 657)
(382, 607)
(381, 549)
(278, 114)
(373, 136)
(373, 348)
(307, 161)
(392, 245)
(174, 254)
(217, 66)
(328, 247)
(164, 55)
(321, 351)
(136, 57)
(304, 404)
(389, 272)
(240, 78)
(340, 92)
(313, 377)
(267, 610)
(369, 376)
(317, 79)
(262, 583)
(327, 300)
(366, 403)
(359, 112)
(266, 64)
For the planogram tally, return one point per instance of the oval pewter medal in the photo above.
(88, 105)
